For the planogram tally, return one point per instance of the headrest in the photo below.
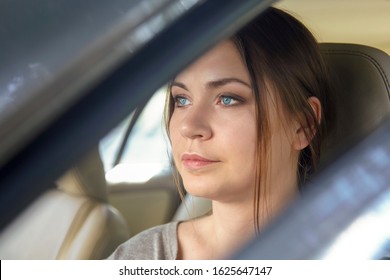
(360, 77)
(86, 178)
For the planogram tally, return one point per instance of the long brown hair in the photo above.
(282, 54)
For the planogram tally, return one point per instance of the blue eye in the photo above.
(181, 101)
(228, 100)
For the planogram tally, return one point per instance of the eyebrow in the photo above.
(215, 84)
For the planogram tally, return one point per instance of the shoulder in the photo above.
(156, 243)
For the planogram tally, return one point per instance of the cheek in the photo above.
(240, 140)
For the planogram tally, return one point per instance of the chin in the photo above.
(201, 188)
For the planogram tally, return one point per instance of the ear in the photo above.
(305, 132)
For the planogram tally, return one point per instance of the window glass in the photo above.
(146, 153)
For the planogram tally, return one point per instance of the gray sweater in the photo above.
(157, 243)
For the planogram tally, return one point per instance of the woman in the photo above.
(245, 123)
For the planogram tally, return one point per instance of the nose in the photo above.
(196, 124)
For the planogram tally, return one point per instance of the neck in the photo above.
(232, 223)
(231, 226)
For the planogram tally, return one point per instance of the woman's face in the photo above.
(213, 127)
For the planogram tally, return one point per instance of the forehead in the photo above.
(224, 60)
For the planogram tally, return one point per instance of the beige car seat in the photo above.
(73, 221)
(361, 76)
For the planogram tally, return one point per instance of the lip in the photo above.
(195, 161)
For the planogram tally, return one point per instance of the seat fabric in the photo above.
(73, 221)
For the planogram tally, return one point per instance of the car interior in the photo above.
(91, 222)
(86, 216)
(77, 221)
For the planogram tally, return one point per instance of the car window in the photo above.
(146, 149)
